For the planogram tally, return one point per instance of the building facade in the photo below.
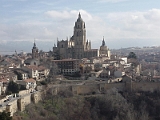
(78, 47)
(68, 66)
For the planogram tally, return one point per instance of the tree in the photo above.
(132, 55)
(19, 75)
(5, 116)
(13, 87)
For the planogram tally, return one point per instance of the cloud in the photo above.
(62, 15)
(19, 0)
(48, 3)
(136, 24)
(112, 1)
(115, 27)
(59, 15)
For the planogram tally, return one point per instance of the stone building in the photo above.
(68, 66)
(35, 57)
(104, 50)
(77, 47)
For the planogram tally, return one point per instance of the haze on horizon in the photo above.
(123, 23)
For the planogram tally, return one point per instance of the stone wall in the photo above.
(27, 97)
(36, 97)
(2, 108)
(87, 89)
(20, 103)
(121, 86)
(12, 107)
(24, 92)
(145, 86)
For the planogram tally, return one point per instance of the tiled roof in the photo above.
(66, 60)
(4, 80)
(34, 67)
(29, 80)
(21, 71)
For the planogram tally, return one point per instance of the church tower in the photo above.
(104, 50)
(35, 54)
(79, 37)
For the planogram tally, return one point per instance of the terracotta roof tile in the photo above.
(29, 80)
(34, 67)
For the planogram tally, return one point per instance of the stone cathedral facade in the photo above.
(77, 46)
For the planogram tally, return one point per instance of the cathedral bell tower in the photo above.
(104, 50)
(35, 54)
(79, 37)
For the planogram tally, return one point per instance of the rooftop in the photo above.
(29, 80)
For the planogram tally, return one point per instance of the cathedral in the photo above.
(77, 47)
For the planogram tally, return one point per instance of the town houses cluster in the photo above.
(72, 57)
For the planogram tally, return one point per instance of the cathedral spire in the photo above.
(34, 45)
(79, 17)
(34, 51)
(103, 42)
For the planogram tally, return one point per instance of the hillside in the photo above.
(109, 106)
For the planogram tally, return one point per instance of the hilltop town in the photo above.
(73, 65)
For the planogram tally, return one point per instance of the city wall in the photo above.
(121, 86)
(26, 97)
(12, 107)
(145, 86)
(24, 92)
(85, 89)
(97, 88)
(20, 103)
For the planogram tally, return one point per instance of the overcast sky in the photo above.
(123, 23)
